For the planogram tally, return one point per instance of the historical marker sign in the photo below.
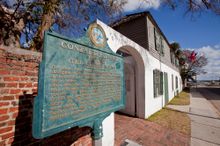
(79, 85)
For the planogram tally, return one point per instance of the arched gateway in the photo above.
(134, 79)
(135, 60)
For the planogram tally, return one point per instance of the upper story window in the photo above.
(158, 82)
(177, 62)
(162, 46)
(159, 43)
(172, 57)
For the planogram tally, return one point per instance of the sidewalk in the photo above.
(205, 121)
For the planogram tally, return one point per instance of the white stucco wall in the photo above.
(116, 41)
(154, 104)
(157, 103)
(108, 131)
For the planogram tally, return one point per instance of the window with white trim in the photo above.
(158, 82)
(159, 42)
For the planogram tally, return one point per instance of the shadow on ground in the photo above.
(23, 128)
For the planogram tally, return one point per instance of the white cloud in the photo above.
(132, 5)
(213, 66)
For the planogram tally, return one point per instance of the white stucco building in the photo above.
(151, 69)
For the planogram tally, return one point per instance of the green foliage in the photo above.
(189, 68)
(30, 18)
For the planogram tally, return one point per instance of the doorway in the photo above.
(130, 87)
(135, 82)
(166, 88)
(130, 84)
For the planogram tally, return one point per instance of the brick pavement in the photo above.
(146, 133)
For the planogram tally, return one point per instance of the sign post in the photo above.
(81, 82)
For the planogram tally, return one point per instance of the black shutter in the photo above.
(155, 39)
(161, 83)
(154, 82)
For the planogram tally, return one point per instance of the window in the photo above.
(157, 40)
(172, 57)
(177, 62)
(159, 43)
(176, 82)
(162, 46)
(158, 82)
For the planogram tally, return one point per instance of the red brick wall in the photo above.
(18, 88)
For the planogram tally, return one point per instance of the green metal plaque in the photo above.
(79, 85)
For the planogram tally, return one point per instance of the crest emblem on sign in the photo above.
(97, 35)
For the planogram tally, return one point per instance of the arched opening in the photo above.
(135, 82)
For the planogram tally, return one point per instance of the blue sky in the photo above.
(190, 32)
(200, 33)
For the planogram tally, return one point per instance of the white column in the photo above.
(108, 132)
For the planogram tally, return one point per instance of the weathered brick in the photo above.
(2, 85)
(35, 85)
(7, 97)
(11, 122)
(21, 71)
(3, 118)
(7, 135)
(14, 109)
(4, 104)
(18, 63)
(30, 73)
(11, 84)
(34, 90)
(11, 78)
(26, 91)
(2, 143)
(24, 78)
(14, 67)
(15, 91)
(15, 103)
(2, 59)
(4, 72)
(6, 129)
(4, 91)
(10, 140)
(14, 115)
(27, 68)
(18, 73)
(34, 79)
(25, 85)
(3, 111)
(3, 124)
(5, 66)
(18, 97)
(32, 65)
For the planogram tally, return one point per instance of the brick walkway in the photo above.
(146, 133)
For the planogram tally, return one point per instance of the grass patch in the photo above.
(172, 119)
(181, 99)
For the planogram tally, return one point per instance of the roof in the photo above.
(131, 17)
(128, 18)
